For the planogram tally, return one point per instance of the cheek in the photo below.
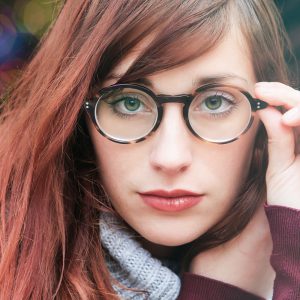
(114, 161)
(218, 170)
(111, 162)
(230, 163)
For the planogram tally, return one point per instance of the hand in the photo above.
(243, 261)
(283, 173)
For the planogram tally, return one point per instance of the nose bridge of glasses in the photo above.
(182, 98)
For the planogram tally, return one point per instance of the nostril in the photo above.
(171, 156)
(169, 167)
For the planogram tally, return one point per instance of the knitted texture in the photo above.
(133, 266)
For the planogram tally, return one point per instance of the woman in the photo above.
(140, 118)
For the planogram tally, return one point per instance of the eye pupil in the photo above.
(213, 102)
(132, 104)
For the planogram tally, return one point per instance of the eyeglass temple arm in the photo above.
(257, 104)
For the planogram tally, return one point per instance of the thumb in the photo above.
(281, 143)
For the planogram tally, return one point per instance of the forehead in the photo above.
(230, 58)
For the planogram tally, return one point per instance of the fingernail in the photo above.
(292, 115)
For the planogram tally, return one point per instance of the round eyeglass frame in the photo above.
(160, 99)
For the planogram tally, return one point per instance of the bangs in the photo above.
(180, 32)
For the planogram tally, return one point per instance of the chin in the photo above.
(170, 239)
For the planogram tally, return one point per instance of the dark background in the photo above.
(22, 23)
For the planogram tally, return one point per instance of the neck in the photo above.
(161, 251)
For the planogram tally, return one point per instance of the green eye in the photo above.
(132, 104)
(213, 103)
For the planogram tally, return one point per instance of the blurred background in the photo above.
(23, 22)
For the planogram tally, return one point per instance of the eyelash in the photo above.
(223, 114)
(226, 97)
(119, 114)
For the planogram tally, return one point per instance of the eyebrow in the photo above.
(216, 78)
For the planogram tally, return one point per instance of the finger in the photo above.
(281, 141)
(277, 94)
(292, 117)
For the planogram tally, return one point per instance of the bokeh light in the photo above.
(8, 34)
(34, 15)
(22, 23)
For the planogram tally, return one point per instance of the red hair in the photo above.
(50, 192)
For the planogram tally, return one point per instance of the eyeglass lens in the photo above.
(216, 114)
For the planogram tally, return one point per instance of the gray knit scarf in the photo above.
(133, 266)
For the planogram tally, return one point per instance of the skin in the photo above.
(173, 158)
(282, 180)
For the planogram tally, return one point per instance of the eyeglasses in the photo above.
(129, 113)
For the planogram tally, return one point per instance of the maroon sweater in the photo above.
(285, 259)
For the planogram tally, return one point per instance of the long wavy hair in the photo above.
(50, 190)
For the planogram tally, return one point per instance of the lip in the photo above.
(171, 201)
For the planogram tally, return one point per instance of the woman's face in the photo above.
(173, 159)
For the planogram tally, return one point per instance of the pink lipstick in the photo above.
(171, 201)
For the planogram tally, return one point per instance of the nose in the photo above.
(171, 152)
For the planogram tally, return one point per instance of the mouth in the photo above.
(171, 201)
